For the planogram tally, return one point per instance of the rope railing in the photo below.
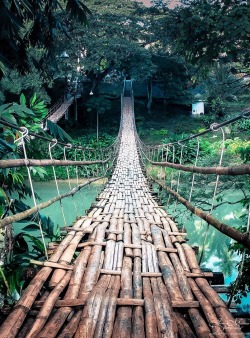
(158, 156)
(245, 114)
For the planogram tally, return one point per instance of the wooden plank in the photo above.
(52, 265)
(199, 274)
(82, 302)
(221, 288)
(162, 248)
(185, 304)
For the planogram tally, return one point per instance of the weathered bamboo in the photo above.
(45, 163)
(227, 321)
(182, 279)
(127, 239)
(90, 313)
(103, 310)
(241, 237)
(167, 309)
(110, 316)
(48, 306)
(167, 269)
(183, 327)
(150, 315)
(123, 322)
(208, 310)
(164, 324)
(92, 272)
(51, 264)
(70, 329)
(201, 327)
(243, 169)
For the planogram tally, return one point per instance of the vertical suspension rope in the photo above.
(172, 174)
(21, 141)
(192, 182)
(213, 128)
(69, 146)
(195, 164)
(52, 144)
(179, 174)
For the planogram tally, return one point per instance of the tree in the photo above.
(27, 24)
(113, 41)
(100, 105)
(210, 30)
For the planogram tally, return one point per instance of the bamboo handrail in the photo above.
(24, 214)
(243, 169)
(240, 237)
(45, 163)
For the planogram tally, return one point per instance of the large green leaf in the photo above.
(32, 227)
(8, 117)
(22, 99)
(32, 100)
(57, 131)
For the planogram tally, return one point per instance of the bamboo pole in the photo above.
(227, 321)
(201, 328)
(55, 324)
(208, 310)
(123, 323)
(103, 310)
(31, 211)
(184, 329)
(110, 316)
(13, 323)
(243, 169)
(48, 306)
(240, 237)
(150, 315)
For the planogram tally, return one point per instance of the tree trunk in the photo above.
(150, 94)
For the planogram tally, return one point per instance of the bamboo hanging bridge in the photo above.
(124, 270)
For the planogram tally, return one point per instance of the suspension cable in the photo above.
(52, 144)
(20, 140)
(215, 128)
(69, 146)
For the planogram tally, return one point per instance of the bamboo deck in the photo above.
(134, 275)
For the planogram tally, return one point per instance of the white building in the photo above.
(198, 108)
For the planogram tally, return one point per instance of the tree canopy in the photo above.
(28, 24)
(210, 30)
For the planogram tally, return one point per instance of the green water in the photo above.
(70, 207)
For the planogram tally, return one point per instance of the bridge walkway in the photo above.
(124, 270)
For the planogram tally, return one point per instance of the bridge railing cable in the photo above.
(170, 156)
(100, 159)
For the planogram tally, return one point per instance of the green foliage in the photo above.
(29, 24)
(13, 273)
(57, 132)
(240, 147)
(188, 151)
(160, 132)
(217, 106)
(207, 30)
